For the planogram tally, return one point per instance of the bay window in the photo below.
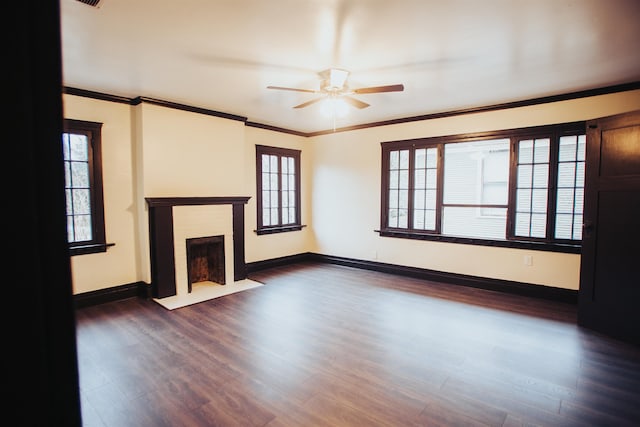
(521, 187)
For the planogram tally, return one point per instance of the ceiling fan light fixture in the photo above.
(334, 79)
(334, 106)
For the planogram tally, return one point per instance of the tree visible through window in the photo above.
(278, 184)
(81, 146)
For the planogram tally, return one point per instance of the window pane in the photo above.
(404, 159)
(566, 174)
(469, 166)
(523, 224)
(541, 150)
(432, 158)
(538, 225)
(539, 200)
(81, 200)
(265, 163)
(394, 160)
(70, 233)
(273, 164)
(432, 178)
(523, 200)
(564, 225)
(525, 151)
(393, 198)
(430, 199)
(69, 202)
(467, 222)
(525, 176)
(285, 165)
(565, 202)
(403, 218)
(418, 219)
(577, 227)
(404, 179)
(266, 180)
(419, 199)
(532, 188)
(567, 148)
(266, 217)
(420, 178)
(393, 179)
(266, 199)
(540, 175)
(404, 199)
(582, 145)
(430, 220)
(82, 228)
(579, 200)
(274, 216)
(580, 174)
(393, 218)
(421, 158)
(570, 192)
(79, 147)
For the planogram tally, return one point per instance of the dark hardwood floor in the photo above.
(326, 345)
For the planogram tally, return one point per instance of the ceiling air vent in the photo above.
(94, 3)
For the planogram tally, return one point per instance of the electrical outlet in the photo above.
(528, 260)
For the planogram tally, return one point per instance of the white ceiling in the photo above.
(456, 54)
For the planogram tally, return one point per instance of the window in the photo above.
(81, 147)
(517, 188)
(278, 189)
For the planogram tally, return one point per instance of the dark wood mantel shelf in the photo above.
(154, 202)
(163, 270)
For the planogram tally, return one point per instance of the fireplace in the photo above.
(205, 260)
(218, 258)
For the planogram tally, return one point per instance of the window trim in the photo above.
(549, 243)
(280, 152)
(94, 131)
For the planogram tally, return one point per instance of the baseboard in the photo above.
(141, 289)
(101, 296)
(519, 288)
(280, 261)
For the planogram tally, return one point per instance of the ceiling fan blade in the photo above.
(379, 89)
(355, 102)
(291, 88)
(306, 104)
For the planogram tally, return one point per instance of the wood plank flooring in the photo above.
(326, 345)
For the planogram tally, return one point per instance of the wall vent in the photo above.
(93, 3)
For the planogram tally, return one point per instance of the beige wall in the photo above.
(346, 195)
(153, 151)
(276, 245)
(121, 263)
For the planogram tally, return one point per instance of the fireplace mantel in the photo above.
(155, 202)
(161, 238)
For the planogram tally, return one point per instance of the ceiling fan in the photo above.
(333, 84)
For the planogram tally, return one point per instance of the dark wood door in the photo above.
(609, 296)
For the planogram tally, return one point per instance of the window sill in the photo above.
(273, 230)
(89, 249)
(515, 244)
